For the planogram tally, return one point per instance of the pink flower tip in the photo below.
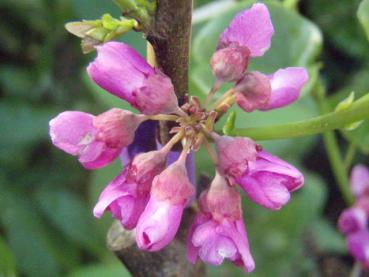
(96, 140)
(359, 180)
(352, 220)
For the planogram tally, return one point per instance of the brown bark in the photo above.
(169, 262)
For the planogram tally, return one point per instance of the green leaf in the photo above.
(363, 15)
(101, 270)
(71, 216)
(7, 260)
(229, 126)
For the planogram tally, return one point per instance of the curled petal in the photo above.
(158, 224)
(360, 180)
(251, 28)
(286, 86)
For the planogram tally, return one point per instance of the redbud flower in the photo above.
(360, 180)
(127, 195)
(121, 70)
(96, 140)
(218, 231)
(352, 220)
(358, 246)
(270, 181)
(159, 222)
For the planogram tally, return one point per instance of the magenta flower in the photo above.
(352, 220)
(120, 70)
(360, 180)
(266, 179)
(170, 193)
(127, 195)
(96, 140)
(218, 231)
(270, 181)
(250, 35)
(358, 246)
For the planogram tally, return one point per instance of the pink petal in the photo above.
(359, 180)
(71, 130)
(352, 220)
(251, 28)
(358, 245)
(286, 85)
(264, 190)
(158, 224)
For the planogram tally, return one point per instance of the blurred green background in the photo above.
(46, 198)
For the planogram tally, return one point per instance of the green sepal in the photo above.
(229, 125)
(95, 32)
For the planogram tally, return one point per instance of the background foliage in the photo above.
(46, 224)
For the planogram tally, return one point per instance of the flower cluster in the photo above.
(153, 189)
(353, 222)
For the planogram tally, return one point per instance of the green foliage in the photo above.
(363, 15)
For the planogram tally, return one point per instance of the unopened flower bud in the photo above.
(229, 64)
(359, 180)
(253, 91)
(170, 192)
(120, 70)
(352, 220)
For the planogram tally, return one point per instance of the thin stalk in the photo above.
(350, 154)
(163, 117)
(356, 270)
(359, 110)
(212, 154)
(333, 152)
(227, 94)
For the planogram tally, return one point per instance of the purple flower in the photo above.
(360, 180)
(121, 70)
(96, 140)
(352, 220)
(159, 222)
(127, 195)
(358, 246)
(270, 181)
(218, 231)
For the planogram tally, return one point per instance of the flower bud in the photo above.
(120, 70)
(127, 195)
(359, 180)
(170, 192)
(234, 155)
(352, 220)
(253, 91)
(96, 140)
(270, 181)
(358, 246)
(229, 64)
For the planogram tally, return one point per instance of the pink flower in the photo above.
(358, 245)
(360, 180)
(251, 28)
(270, 181)
(234, 155)
(96, 140)
(127, 195)
(218, 231)
(262, 92)
(159, 222)
(120, 70)
(352, 220)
